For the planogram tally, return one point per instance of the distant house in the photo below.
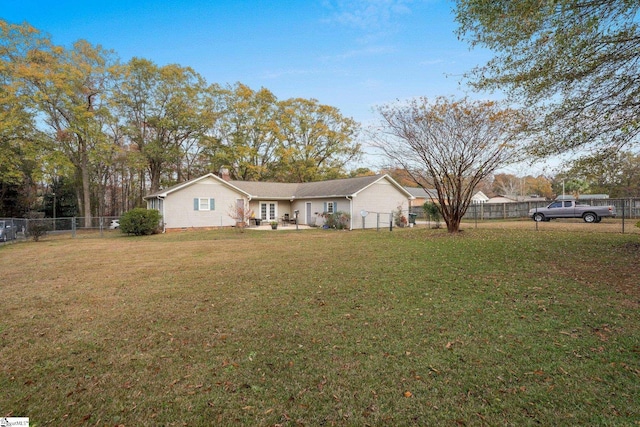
(479, 197)
(208, 201)
(421, 196)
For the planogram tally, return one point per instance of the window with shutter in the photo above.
(204, 204)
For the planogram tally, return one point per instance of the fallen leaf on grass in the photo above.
(408, 394)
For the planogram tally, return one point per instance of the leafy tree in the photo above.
(565, 184)
(432, 212)
(316, 141)
(66, 202)
(140, 222)
(245, 138)
(451, 144)
(508, 185)
(617, 175)
(20, 142)
(258, 137)
(361, 172)
(67, 88)
(166, 111)
(539, 185)
(575, 59)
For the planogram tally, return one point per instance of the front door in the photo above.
(308, 212)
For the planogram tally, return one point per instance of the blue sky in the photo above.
(351, 54)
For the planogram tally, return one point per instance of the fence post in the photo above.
(475, 213)
(73, 227)
(624, 204)
(391, 221)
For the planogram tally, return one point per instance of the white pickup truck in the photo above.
(572, 209)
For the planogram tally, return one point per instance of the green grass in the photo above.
(413, 327)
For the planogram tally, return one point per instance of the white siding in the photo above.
(381, 197)
(179, 211)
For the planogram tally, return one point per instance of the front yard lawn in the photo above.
(410, 327)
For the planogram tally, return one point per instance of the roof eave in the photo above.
(194, 181)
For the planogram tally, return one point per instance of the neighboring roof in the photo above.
(532, 199)
(592, 196)
(480, 196)
(348, 187)
(421, 193)
(500, 199)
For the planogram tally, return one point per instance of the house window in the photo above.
(204, 204)
(268, 211)
(330, 207)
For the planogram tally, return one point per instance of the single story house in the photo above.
(479, 197)
(211, 201)
(420, 197)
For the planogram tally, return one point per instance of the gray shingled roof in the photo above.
(319, 189)
(420, 192)
(277, 190)
(274, 190)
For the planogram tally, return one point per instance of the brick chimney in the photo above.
(224, 174)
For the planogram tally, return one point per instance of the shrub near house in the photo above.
(140, 222)
(338, 220)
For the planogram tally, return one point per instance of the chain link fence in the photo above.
(34, 228)
(478, 215)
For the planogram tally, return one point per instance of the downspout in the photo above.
(350, 199)
(164, 224)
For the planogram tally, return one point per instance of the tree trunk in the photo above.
(154, 172)
(86, 190)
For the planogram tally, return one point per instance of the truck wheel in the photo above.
(590, 217)
(538, 217)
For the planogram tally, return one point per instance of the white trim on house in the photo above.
(379, 193)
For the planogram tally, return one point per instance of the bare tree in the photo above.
(453, 144)
(575, 59)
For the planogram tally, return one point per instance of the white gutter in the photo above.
(350, 212)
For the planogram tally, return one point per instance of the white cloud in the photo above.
(432, 62)
(285, 73)
(368, 15)
(366, 51)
